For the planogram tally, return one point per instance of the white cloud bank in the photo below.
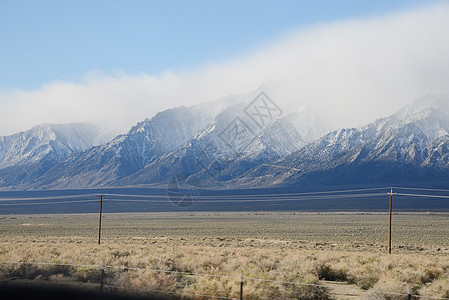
(355, 70)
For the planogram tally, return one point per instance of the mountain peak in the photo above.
(47, 142)
(423, 107)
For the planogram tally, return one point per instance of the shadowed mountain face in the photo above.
(410, 145)
(228, 143)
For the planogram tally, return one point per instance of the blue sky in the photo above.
(43, 41)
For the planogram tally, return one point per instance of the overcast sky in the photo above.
(118, 62)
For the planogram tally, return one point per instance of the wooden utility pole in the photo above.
(99, 222)
(241, 287)
(389, 229)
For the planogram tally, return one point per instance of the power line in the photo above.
(228, 199)
(420, 189)
(46, 203)
(420, 195)
(275, 199)
(48, 198)
(261, 195)
(227, 196)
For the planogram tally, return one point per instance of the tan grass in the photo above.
(278, 258)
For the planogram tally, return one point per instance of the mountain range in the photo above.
(411, 145)
(234, 141)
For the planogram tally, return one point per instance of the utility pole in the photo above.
(241, 287)
(389, 230)
(99, 222)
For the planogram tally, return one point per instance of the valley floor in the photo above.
(333, 255)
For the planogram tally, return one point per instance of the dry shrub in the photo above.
(387, 289)
(306, 288)
(118, 253)
(309, 290)
(64, 270)
(223, 287)
(326, 272)
(31, 271)
(119, 278)
(87, 274)
(157, 281)
(262, 290)
(438, 288)
(284, 291)
(306, 292)
(363, 272)
(5, 271)
(430, 274)
(22, 271)
(60, 278)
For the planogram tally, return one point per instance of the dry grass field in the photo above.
(345, 254)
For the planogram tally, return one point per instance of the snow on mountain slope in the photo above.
(218, 153)
(416, 137)
(47, 141)
(128, 153)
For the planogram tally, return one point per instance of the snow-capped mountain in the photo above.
(411, 144)
(47, 141)
(231, 145)
(29, 154)
(128, 153)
